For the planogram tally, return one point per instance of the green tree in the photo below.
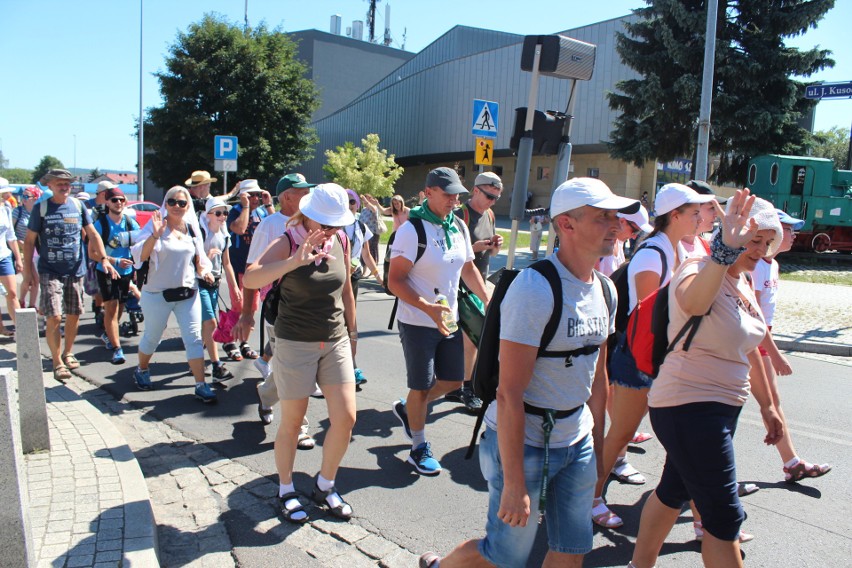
(46, 164)
(94, 174)
(366, 169)
(220, 79)
(17, 175)
(756, 100)
(832, 144)
(3, 161)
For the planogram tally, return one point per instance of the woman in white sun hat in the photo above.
(315, 334)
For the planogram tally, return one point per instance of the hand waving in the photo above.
(158, 226)
(737, 229)
(307, 252)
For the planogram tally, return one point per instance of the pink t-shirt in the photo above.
(716, 367)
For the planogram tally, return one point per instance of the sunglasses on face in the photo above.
(217, 213)
(328, 227)
(490, 196)
(254, 196)
(117, 200)
(352, 202)
(177, 203)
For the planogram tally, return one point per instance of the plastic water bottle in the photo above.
(449, 321)
(2, 289)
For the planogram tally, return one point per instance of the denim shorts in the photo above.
(7, 266)
(699, 443)
(622, 369)
(572, 475)
(209, 302)
(430, 355)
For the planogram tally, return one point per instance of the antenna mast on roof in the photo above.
(371, 21)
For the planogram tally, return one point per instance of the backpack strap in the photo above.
(465, 213)
(663, 260)
(421, 238)
(548, 270)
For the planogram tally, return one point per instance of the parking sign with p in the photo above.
(225, 148)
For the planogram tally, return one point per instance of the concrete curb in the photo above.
(140, 529)
(811, 347)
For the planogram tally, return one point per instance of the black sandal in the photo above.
(320, 497)
(232, 352)
(288, 513)
(248, 352)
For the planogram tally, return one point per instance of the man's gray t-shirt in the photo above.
(585, 321)
(60, 239)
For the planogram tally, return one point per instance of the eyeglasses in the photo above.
(328, 227)
(254, 196)
(490, 196)
(634, 229)
(118, 199)
(217, 213)
(177, 203)
(352, 202)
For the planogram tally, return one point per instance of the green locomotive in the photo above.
(810, 189)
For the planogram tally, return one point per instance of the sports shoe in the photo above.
(465, 396)
(107, 343)
(422, 460)
(204, 393)
(400, 412)
(142, 378)
(118, 356)
(220, 373)
(262, 367)
(360, 379)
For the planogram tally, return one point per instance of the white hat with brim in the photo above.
(673, 195)
(327, 204)
(640, 219)
(250, 186)
(577, 192)
(213, 203)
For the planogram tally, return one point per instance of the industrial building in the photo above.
(422, 108)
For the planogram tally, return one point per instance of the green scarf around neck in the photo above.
(448, 224)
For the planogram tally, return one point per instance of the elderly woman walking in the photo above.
(315, 334)
(697, 397)
(171, 243)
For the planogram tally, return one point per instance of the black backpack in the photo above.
(421, 248)
(486, 370)
(622, 287)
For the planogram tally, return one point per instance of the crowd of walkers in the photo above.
(545, 449)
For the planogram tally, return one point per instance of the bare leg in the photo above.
(469, 357)
(71, 325)
(111, 321)
(340, 400)
(53, 339)
(720, 553)
(465, 555)
(654, 526)
(12, 304)
(562, 560)
(416, 404)
(144, 360)
(292, 413)
(207, 328)
(628, 408)
(197, 368)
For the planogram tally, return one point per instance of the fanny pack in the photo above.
(178, 294)
(206, 286)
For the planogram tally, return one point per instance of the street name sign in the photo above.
(829, 91)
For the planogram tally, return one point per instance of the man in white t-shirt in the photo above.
(290, 189)
(538, 391)
(431, 341)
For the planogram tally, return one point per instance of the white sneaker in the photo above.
(262, 367)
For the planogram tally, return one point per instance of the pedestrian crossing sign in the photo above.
(485, 115)
(484, 152)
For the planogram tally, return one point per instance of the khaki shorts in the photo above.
(300, 365)
(60, 294)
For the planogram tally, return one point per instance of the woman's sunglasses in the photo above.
(177, 203)
(217, 213)
(328, 227)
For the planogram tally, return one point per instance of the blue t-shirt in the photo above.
(115, 239)
(240, 244)
(60, 237)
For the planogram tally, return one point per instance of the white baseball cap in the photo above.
(577, 192)
(673, 195)
(640, 219)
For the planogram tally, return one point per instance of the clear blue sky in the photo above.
(71, 67)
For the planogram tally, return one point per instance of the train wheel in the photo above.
(821, 242)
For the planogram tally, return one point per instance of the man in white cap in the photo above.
(427, 284)
(538, 391)
(243, 219)
(480, 221)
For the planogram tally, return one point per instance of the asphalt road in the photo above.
(803, 525)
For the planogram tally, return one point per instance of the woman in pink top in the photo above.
(397, 210)
(697, 397)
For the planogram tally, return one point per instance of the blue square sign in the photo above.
(484, 118)
(225, 148)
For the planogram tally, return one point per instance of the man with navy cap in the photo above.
(431, 341)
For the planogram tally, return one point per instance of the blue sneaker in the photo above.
(401, 413)
(107, 344)
(142, 378)
(118, 356)
(422, 460)
(360, 379)
(204, 393)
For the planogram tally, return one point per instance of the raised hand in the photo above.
(158, 227)
(737, 229)
(307, 252)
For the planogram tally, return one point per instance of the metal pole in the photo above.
(563, 157)
(140, 147)
(703, 147)
(522, 171)
(849, 153)
(75, 154)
